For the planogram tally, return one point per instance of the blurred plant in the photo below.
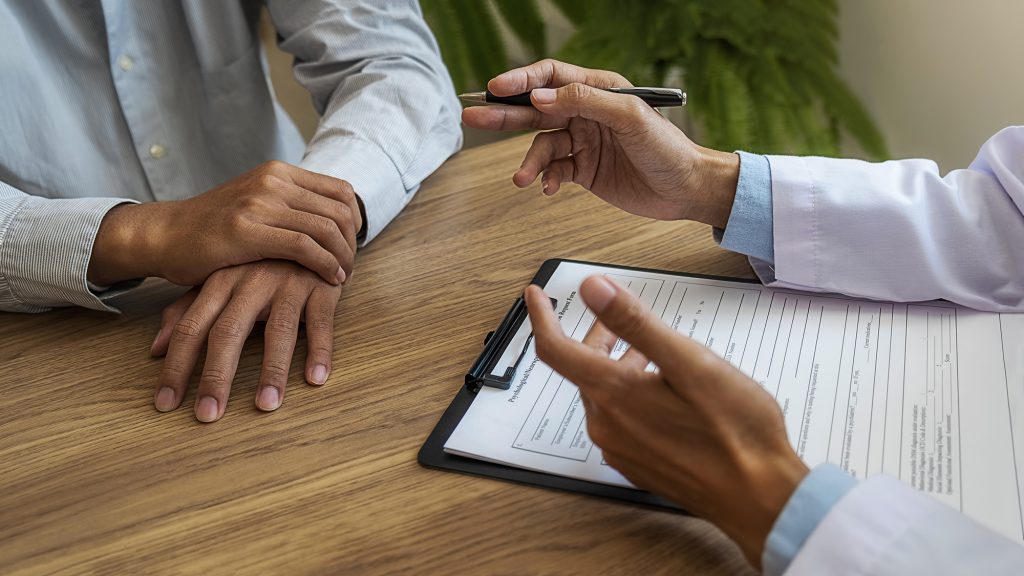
(760, 74)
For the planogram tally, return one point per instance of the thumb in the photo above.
(625, 315)
(619, 112)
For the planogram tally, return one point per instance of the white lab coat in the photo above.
(899, 231)
(882, 526)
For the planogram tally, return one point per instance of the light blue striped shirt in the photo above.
(107, 101)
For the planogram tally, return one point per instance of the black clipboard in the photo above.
(432, 454)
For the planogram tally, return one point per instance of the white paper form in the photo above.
(928, 393)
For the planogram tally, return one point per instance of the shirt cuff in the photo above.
(372, 175)
(810, 503)
(45, 248)
(749, 229)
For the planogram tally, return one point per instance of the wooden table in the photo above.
(94, 480)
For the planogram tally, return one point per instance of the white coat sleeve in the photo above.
(900, 231)
(884, 527)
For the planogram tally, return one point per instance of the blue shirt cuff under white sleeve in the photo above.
(807, 507)
(749, 230)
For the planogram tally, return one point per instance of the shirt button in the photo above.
(125, 63)
(157, 151)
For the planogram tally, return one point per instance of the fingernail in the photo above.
(206, 410)
(599, 294)
(319, 375)
(544, 186)
(269, 398)
(544, 95)
(164, 399)
(341, 275)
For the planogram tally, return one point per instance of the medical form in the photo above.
(930, 393)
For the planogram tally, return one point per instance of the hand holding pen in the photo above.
(614, 144)
(654, 97)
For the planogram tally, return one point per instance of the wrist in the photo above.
(718, 175)
(126, 246)
(766, 485)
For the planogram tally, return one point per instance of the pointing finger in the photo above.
(625, 315)
(584, 366)
(511, 118)
(621, 113)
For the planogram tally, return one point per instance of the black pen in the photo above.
(655, 97)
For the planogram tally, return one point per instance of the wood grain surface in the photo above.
(94, 480)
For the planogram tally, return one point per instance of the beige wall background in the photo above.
(939, 76)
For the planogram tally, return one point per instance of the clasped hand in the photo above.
(274, 245)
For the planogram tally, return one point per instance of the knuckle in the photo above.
(321, 351)
(544, 69)
(576, 92)
(638, 108)
(227, 328)
(250, 202)
(172, 372)
(321, 226)
(216, 377)
(549, 67)
(345, 212)
(545, 143)
(503, 124)
(188, 328)
(274, 167)
(282, 324)
(303, 243)
(268, 181)
(275, 370)
(239, 221)
(632, 321)
(322, 322)
(288, 307)
(536, 120)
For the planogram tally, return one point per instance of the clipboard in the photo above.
(432, 454)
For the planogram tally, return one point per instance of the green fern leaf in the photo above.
(441, 15)
(523, 18)
(485, 50)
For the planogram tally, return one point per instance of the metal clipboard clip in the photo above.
(503, 351)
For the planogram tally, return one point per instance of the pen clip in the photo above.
(501, 356)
